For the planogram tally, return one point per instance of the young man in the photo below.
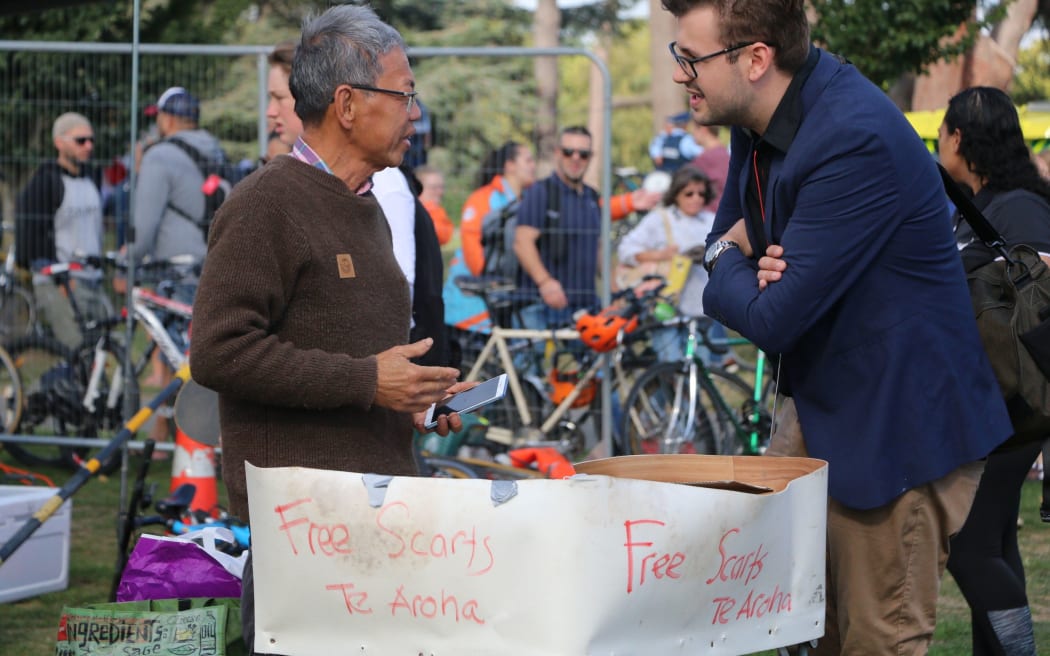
(860, 292)
(559, 262)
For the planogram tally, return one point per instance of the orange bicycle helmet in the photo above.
(599, 331)
(564, 378)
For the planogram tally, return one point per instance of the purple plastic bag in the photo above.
(169, 568)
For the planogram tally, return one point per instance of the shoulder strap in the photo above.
(667, 226)
(981, 227)
(201, 164)
(193, 153)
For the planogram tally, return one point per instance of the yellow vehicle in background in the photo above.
(1035, 125)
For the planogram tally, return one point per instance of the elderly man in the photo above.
(302, 314)
(58, 218)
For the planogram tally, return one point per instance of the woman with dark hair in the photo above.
(678, 226)
(981, 146)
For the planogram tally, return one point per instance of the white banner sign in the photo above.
(352, 564)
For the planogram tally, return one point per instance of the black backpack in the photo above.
(219, 178)
(497, 234)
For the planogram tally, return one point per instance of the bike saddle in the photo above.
(178, 502)
(487, 284)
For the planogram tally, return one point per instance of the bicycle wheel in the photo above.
(17, 313)
(729, 411)
(55, 381)
(656, 416)
(11, 398)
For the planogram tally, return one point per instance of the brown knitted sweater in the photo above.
(300, 292)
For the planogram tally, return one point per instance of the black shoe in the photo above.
(1044, 512)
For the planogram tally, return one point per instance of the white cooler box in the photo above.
(41, 564)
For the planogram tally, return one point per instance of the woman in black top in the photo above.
(981, 146)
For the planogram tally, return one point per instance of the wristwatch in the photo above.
(715, 252)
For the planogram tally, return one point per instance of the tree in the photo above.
(43, 85)
(1032, 81)
(888, 38)
(990, 61)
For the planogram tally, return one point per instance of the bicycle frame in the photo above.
(143, 302)
(696, 366)
(498, 342)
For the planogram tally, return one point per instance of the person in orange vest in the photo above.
(505, 173)
(433, 192)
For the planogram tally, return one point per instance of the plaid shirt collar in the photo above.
(304, 153)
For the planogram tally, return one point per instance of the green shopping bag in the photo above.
(182, 627)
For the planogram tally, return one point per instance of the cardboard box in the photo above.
(604, 562)
(41, 564)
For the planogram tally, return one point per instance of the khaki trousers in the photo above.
(884, 565)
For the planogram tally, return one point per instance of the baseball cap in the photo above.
(179, 102)
(679, 119)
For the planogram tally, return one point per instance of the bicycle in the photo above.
(80, 392)
(511, 423)
(690, 407)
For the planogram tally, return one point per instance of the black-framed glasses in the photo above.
(411, 95)
(569, 152)
(688, 64)
(80, 141)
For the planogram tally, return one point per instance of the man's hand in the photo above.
(643, 199)
(450, 423)
(738, 234)
(771, 266)
(407, 387)
(553, 295)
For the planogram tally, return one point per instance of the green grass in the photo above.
(28, 627)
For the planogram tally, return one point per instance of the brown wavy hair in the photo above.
(778, 23)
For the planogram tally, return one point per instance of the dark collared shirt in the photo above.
(778, 137)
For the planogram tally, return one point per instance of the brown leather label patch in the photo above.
(346, 265)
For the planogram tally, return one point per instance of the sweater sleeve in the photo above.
(255, 258)
(35, 210)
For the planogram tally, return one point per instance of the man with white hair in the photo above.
(58, 218)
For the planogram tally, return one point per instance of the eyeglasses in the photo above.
(411, 95)
(688, 64)
(690, 194)
(569, 152)
(80, 141)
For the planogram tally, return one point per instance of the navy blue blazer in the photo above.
(873, 316)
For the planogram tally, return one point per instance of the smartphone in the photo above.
(469, 400)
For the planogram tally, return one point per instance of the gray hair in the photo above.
(341, 46)
(67, 122)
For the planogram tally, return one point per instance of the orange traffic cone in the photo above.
(195, 463)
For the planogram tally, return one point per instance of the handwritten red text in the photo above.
(445, 605)
(643, 559)
(438, 545)
(328, 539)
(733, 567)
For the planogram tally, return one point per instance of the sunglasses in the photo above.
(80, 141)
(690, 194)
(569, 152)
